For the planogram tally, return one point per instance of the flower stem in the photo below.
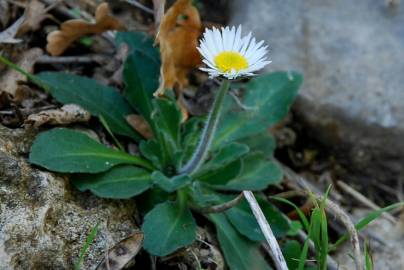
(208, 133)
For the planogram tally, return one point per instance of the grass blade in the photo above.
(90, 238)
(365, 221)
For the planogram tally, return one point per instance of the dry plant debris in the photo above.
(122, 253)
(68, 114)
(71, 30)
(10, 80)
(35, 13)
(4, 13)
(140, 125)
(158, 10)
(178, 36)
(8, 35)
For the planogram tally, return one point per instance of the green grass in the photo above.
(87, 244)
(316, 228)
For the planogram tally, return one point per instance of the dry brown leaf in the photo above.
(178, 36)
(71, 30)
(4, 13)
(8, 35)
(9, 80)
(122, 253)
(139, 124)
(68, 114)
(4, 99)
(35, 13)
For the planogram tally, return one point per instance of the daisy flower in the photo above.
(228, 54)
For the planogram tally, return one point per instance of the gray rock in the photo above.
(351, 54)
(385, 241)
(44, 221)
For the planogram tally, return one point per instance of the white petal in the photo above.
(257, 56)
(205, 51)
(258, 66)
(250, 49)
(232, 36)
(254, 49)
(226, 38)
(218, 39)
(210, 43)
(209, 64)
(248, 45)
(237, 40)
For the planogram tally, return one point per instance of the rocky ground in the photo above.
(346, 126)
(43, 220)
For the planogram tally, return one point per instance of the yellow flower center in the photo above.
(228, 61)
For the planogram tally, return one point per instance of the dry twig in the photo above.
(84, 59)
(276, 252)
(353, 233)
(140, 6)
(224, 206)
(158, 8)
(365, 200)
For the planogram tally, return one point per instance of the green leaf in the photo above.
(168, 227)
(190, 136)
(170, 184)
(166, 117)
(150, 149)
(303, 255)
(141, 70)
(150, 198)
(292, 250)
(202, 196)
(368, 257)
(220, 177)
(256, 174)
(302, 216)
(295, 227)
(267, 97)
(240, 253)
(139, 42)
(121, 182)
(263, 142)
(224, 166)
(224, 156)
(244, 221)
(64, 150)
(98, 99)
(141, 77)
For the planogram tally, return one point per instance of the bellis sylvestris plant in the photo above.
(228, 54)
(186, 168)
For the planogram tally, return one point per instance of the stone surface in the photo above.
(44, 221)
(351, 55)
(385, 241)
